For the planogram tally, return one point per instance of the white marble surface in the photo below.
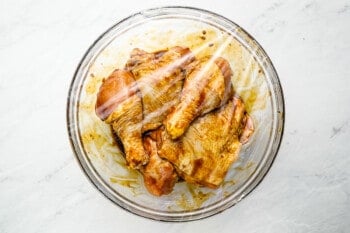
(42, 188)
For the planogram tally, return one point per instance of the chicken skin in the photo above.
(159, 174)
(119, 104)
(159, 76)
(207, 87)
(211, 144)
(248, 129)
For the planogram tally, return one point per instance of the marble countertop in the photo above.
(42, 188)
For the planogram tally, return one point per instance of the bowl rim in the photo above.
(97, 181)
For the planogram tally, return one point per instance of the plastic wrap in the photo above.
(207, 36)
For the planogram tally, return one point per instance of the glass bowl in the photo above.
(254, 79)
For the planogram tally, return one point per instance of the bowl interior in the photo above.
(205, 33)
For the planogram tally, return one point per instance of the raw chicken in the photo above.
(211, 144)
(207, 87)
(119, 104)
(159, 175)
(171, 128)
(159, 76)
(248, 129)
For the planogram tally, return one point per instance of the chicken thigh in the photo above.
(211, 144)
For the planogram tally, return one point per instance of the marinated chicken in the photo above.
(211, 144)
(207, 87)
(159, 174)
(119, 104)
(248, 129)
(160, 78)
(176, 116)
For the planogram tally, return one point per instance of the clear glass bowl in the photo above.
(254, 79)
